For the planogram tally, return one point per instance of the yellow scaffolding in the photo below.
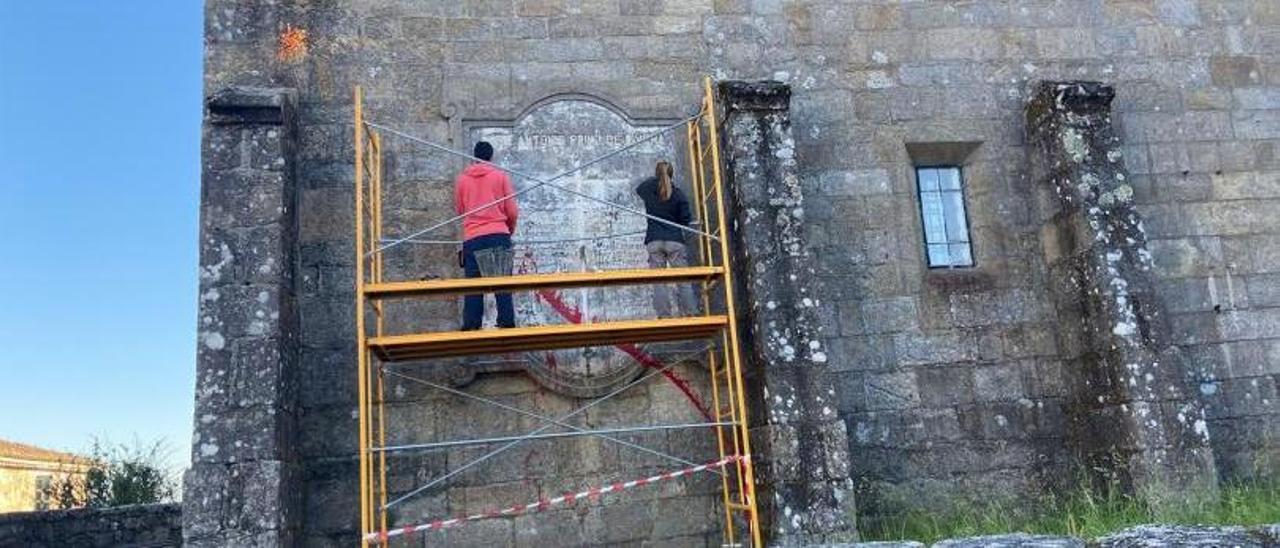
(376, 349)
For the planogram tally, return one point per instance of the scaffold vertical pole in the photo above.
(375, 158)
(733, 351)
(362, 352)
(696, 170)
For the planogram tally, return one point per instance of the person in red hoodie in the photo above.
(486, 242)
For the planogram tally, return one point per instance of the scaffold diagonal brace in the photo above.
(599, 434)
(509, 445)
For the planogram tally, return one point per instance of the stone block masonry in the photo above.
(950, 383)
(1132, 413)
(151, 525)
(438, 72)
(806, 492)
(1145, 536)
(953, 383)
(242, 487)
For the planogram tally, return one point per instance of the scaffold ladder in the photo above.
(377, 349)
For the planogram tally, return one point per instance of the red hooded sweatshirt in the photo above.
(480, 184)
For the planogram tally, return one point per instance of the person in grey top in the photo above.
(665, 242)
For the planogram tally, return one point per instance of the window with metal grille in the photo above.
(44, 483)
(946, 228)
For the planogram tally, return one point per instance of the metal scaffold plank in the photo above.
(547, 337)
(530, 282)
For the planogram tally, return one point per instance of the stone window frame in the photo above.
(934, 154)
(948, 240)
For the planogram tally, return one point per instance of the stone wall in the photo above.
(948, 381)
(955, 379)
(1131, 412)
(436, 70)
(143, 525)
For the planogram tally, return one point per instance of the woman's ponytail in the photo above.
(663, 171)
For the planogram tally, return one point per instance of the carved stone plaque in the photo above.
(561, 232)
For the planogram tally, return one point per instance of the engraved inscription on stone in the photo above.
(561, 232)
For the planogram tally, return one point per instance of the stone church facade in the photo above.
(1041, 237)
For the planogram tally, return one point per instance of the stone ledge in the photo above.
(762, 95)
(1142, 536)
(249, 105)
(1078, 97)
(1160, 536)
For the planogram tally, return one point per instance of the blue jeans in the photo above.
(473, 305)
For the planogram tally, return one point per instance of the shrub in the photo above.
(117, 474)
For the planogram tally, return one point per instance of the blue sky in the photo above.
(99, 191)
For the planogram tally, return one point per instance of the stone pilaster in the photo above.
(243, 488)
(802, 449)
(1131, 413)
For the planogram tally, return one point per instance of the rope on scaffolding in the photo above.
(540, 182)
(545, 504)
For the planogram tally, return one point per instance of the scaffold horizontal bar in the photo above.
(597, 432)
(530, 282)
(545, 337)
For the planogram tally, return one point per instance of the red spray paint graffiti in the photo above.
(573, 315)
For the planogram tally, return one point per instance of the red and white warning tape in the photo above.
(545, 504)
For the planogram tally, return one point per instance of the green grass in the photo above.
(1080, 514)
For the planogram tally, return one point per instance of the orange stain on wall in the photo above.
(293, 44)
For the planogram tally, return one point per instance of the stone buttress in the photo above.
(806, 494)
(1131, 413)
(243, 488)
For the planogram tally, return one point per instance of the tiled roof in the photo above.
(14, 450)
